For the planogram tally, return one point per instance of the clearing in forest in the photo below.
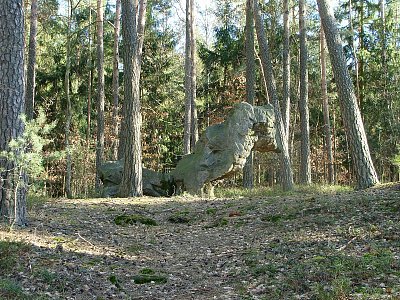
(326, 245)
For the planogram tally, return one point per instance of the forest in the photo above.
(182, 149)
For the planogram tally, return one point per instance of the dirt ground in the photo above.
(299, 246)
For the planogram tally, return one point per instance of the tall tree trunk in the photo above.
(354, 52)
(305, 165)
(286, 67)
(90, 79)
(12, 89)
(287, 174)
(325, 105)
(115, 82)
(31, 67)
(194, 134)
(188, 84)
(133, 23)
(100, 92)
(68, 116)
(365, 171)
(361, 58)
(248, 172)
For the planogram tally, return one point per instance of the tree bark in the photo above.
(12, 96)
(286, 167)
(365, 171)
(100, 92)
(31, 67)
(325, 105)
(286, 67)
(115, 83)
(248, 172)
(133, 23)
(305, 164)
(68, 117)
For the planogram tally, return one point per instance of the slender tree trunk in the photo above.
(68, 117)
(31, 68)
(286, 67)
(100, 92)
(115, 82)
(325, 104)
(188, 84)
(89, 100)
(365, 171)
(305, 164)
(287, 174)
(194, 134)
(361, 58)
(12, 96)
(133, 23)
(354, 52)
(248, 170)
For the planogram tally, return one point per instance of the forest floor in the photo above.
(303, 245)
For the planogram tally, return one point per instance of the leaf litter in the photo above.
(301, 246)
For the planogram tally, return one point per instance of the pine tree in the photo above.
(364, 167)
(12, 92)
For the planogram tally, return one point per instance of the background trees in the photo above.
(371, 52)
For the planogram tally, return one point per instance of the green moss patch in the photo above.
(148, 275)
(180, 217)
(125, 220)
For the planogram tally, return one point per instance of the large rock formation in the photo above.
(221, 151)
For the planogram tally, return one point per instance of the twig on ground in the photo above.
(347, 244)
(85, 239)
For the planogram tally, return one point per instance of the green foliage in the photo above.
(125, 220)
(26, 151)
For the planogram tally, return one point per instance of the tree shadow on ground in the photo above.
(317, 247)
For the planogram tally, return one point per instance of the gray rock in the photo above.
(154, 183)
(223, 149)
